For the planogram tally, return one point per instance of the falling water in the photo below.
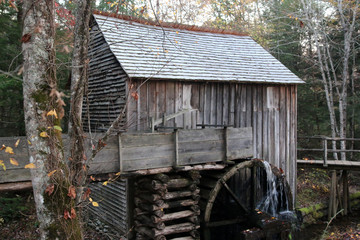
(275, 202)
(270, 201)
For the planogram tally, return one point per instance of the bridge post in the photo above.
(325, 151)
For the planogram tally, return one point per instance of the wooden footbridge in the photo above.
(327, 157)
(323, 158)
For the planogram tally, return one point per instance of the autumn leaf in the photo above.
(13, 6)
(90, 199)
(52, 113)
(17, 143)
(2, 165)
(58, 128)
(86, 194)
(30, 165)
(72, 192)
(51, 173)
(118, 173)
(95, 204)
(14, 162)
(2, 147)
(66, 49)
(135, 95)
(105, 183)
(29, 142)
(44, 134)
(73, 213)
(92, 178)
(67, 214)
(9, 150)
(50, 189)
(25, 38)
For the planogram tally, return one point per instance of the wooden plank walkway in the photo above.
(331, 164)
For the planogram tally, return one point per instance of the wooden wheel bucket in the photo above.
(229, 199)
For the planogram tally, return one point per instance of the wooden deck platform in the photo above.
(331, 164)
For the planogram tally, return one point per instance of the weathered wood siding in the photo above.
(107, 84)
(269, 109)
(184, 147)
(112, 199)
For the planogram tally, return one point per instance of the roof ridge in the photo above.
(179, 26)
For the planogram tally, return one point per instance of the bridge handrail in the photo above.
(325, 149)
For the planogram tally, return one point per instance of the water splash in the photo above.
(275, 200)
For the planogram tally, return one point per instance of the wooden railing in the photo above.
(325, 150)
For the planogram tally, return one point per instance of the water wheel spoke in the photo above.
(232, 194)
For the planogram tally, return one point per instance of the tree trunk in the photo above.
(78, 160)
(39, 67)
(43, 110)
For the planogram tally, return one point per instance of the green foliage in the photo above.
(11, 113)
(12, 207)
(11, 107)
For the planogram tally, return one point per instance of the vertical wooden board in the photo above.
(157, 110)
(152, 99)
(259, 129)
(138, 111)
(237, 105)
(207, 109)
(243, 104)
(187, 104)
(282, 127)
(195, 104)
(294, 137)
(170, 102)
(194, 119)
(219, 103)
(254, 124)
(287, 138)
(271, 136)
(249, 104)
(265, 122)
(226, 104)
(161, 100)
(143, 100)
(213, 103)
(232, 100)
(132, 108)
(179, 120)
(195, 97)
(201, 103)
(276, 128)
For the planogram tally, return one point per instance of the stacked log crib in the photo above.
(167, 206)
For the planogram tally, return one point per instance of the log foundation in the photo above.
(167, 206)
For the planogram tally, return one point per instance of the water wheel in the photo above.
(230, 200)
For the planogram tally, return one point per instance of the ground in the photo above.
(18, 218)
(312, 188)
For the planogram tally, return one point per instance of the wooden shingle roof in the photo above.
(162, 52)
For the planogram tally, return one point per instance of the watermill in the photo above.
(248, 200)
(216, 101)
